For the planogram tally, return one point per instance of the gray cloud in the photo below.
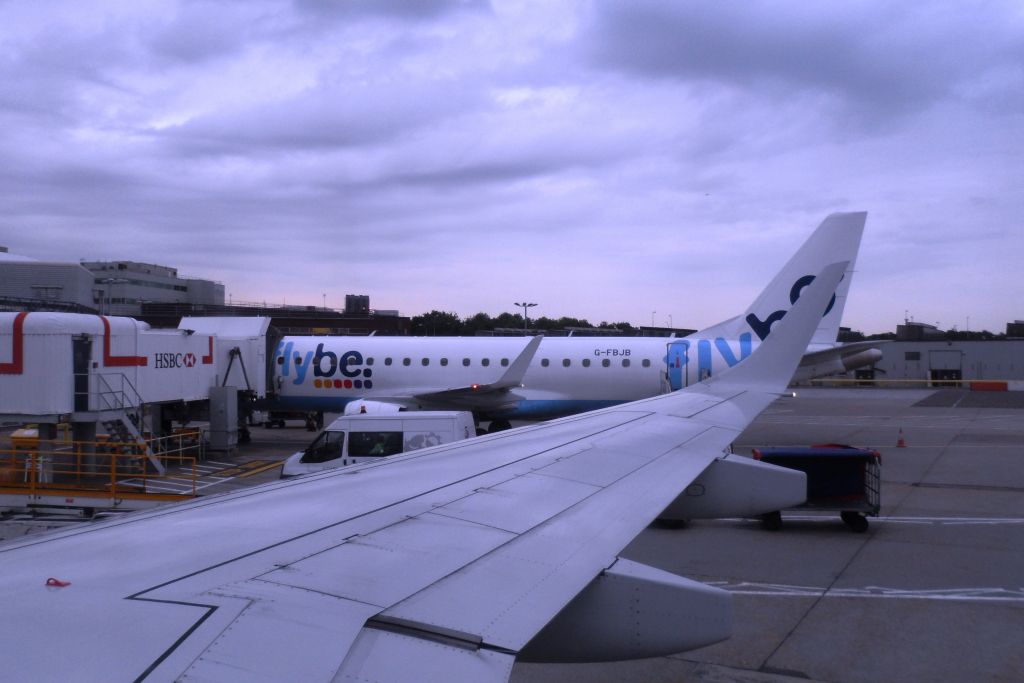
(402, 10)
(606, 160)
(892, 57)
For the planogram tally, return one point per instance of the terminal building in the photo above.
(157, 295)
(922, 354)
(123, 287)
(106, 287)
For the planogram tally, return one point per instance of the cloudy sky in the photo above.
(628, 160)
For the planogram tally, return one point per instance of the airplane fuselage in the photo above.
(566, 375)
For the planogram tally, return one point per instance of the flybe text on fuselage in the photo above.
(329, 368)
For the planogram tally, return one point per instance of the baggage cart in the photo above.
(839, 477)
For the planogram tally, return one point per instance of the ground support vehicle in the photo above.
(358, 438)
(839, 477)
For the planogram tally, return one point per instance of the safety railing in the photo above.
(101, 468)
(113, 391)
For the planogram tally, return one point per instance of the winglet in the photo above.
(492, 395)
(513, 377)
(771, 367)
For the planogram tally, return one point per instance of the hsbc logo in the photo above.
(174, 360)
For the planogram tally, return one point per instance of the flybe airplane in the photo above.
(528, 378)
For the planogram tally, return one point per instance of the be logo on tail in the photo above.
(763, 327)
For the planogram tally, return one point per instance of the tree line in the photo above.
(446, 324)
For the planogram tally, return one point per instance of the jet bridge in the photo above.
(118, 376)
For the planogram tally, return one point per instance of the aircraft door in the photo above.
(81, 352)
(677, 358)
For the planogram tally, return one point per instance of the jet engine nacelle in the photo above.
(632, 611)
(837, 365)
(734, 486)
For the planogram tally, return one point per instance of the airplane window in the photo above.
(298, 359)
(387, 361)
(425, 361)
(325, 447)
(544, 362)
(406, 361)
(625, 362)
(369, 361)
(646, 363)
(565, 362)
(465, 362)
(444, 361)
(605, 363)
(280, 360)
(361, 444)
(485, 362)
(586, 362)
(504, 362)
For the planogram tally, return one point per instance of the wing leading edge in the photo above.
(443, 564)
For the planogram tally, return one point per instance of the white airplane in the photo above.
(445, 564)
(532, 378)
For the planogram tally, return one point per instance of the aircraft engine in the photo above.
(734, 486)
(632, 611)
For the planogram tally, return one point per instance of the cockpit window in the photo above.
(325, 447)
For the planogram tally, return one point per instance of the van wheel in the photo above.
(498, 426)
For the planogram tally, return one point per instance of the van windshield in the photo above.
(325, 447)
(363, 444)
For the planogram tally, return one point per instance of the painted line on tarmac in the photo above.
(936, 521)
(1011, 595)
(264, 468)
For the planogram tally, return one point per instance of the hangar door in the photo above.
(945, 368)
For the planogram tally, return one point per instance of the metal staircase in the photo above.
(121, 408)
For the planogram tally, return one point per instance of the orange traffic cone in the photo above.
(901, 442)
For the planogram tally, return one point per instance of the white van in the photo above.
(359, 438)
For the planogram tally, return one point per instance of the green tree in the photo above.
(509, 320)
(626, 329)
(436, 324)
(477, 323)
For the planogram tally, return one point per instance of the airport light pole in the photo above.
(526, 317)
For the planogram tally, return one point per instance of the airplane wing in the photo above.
(439, 565)
(493, 396)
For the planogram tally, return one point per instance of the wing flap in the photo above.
(284, 634)
(380, 655)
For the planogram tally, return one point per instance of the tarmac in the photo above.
(933, 590)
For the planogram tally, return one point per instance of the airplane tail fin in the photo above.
(837, 239)
(771, 366)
